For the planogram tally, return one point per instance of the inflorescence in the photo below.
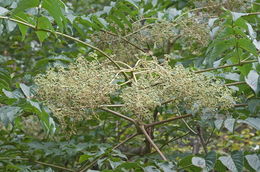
(70, 92)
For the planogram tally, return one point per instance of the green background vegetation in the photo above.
(59, 124)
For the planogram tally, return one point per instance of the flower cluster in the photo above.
(68, 92)
(215, 7)
(87, 85)
(159, 35)
(159, 83)
(194, 32)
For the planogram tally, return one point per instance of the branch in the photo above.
(202, 141)
(66, 36)
(174, 139)
(211, 134)
(103, 155)
(152, 143)
(114, 105)
(138, 30)
(168, 120)
(240, 105)
(235, 83)
(195, 9)
(119, 115)
(226, 66)
(253, 13)
(123, 38)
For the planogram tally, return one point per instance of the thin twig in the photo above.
(226, 66)
(119, 114)
(103, 155)
(126, 40)
(192, 10)
(240, 105)
(174, 139)
(66, 36)
(253, 13)
(168, 120)
(211, 134)
(152, 143)
(113, 105)
(235, 83)
(187, 125)
(138, 30)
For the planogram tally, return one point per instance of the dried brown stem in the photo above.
(113, 105)
(240, 105)
(119, 114)
(235, 83)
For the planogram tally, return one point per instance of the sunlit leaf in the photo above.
(234, 162)
(254, 161)
(252, 80)
(8, 114)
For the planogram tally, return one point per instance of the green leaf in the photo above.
(151, 169)
(134, 3)
(253, 122)
(129, 165)
(16, 94)
(84, 157)
(254, 161)
(45, 119)
(42, 64)
(9, 113)
(166, 166)
(23, 29)
(3, 11)
(218, 123)
(251, 31)
(229, 124)
(25, 4)
(117, 21)
(10, 26)
(235, 162)
(26, 90)
(55, 7)
(5, 79)
(217, 48)
(254, 105)
(247, 45)
(236, 15)
(245, 69)
(114, 164)
(43, 23)
(252, 80)
(199, 162)
(211, 159)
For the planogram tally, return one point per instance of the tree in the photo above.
(129, 85)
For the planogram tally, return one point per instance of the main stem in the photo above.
(152, 143)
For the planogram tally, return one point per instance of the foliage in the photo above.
(77, 77)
